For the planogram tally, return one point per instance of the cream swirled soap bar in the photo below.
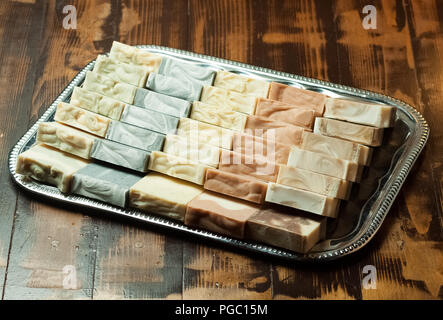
(108, 87)
(219, 116)
(122, 72)
(241, 84)
(132, 55)
(227, 98)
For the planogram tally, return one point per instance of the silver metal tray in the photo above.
(359, 218)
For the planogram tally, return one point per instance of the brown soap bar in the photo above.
(299, 97)
(237, 186)
(219, 214)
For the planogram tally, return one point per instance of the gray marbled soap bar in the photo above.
(187, 90)
(134, 136)
(186, 71)
(162, 103)
(120, 154)
(104, 183)
(149, 119)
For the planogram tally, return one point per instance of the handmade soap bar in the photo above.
(274, 130)
(177, 167)
(218, 213)
(65, 138)
(149, 119)
(120, 154)
(162, 103)
(121, 72)
(336, 148)
(205, 133)
(104, 183)
(320, 163)
(82, 119)
(285, 227)
(186, 90)
(259, 148)
(234, 185)
(235, 82)
(164, 195)
(311, 181)
(219, 116)
(135, 56)
(49, 165)
(192, 150)
(298, 97)
(186, 72)
(97, 103)
(134, 136)
(302, 199)
(106, 86)
(280, 111)
(241, 164)
(377, 115)
(229, 99)
(349, 131)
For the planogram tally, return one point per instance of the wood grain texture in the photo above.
(323, 39)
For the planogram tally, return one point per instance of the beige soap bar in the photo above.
(274, 130)
(229, 99)
(371, 114)
(316, 182)
(82, 119)
(245, 85)
(192, 150)
(219, 116)
(177, 167)
(241, 164)
(65, 138)
(234, 185)
(49, 165)
(106, 86)
(97, 103)
(320, 163)
(336, 148)
(218, 213)
(121, 72)
(280, 111)
(302, 200)
(298, 97)
(163, 195)
(132, 55)
(358, 133)
(205, 133)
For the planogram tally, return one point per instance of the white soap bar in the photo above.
(302, 199)
(121, 72)
(219, 116)
(132, 55)
(231, 81)
(162, 103)
(106, 86)
(177, 167)
(186, 90)
(230, 99)
(186, 71)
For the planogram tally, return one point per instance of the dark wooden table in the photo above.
(40, 242)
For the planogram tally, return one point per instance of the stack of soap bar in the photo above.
(186, 72)
(302, 200)
(274, 130)
(135, 56)
(121, 72)
(231, 81)
(280, 111)
(298, 97)
(219, 214)
(234, 185)
(205, 133)
(108, 87)
(104, 183)
(162, 103)
(164, 195)
(349, 131)
(371, 114)
(177, 167)
(149, 119)
(227, 98)
(286, 228)
(189, 90)
(97, 103)
(192, 150)
(48, 165)
(219, 116)
(241, 164)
